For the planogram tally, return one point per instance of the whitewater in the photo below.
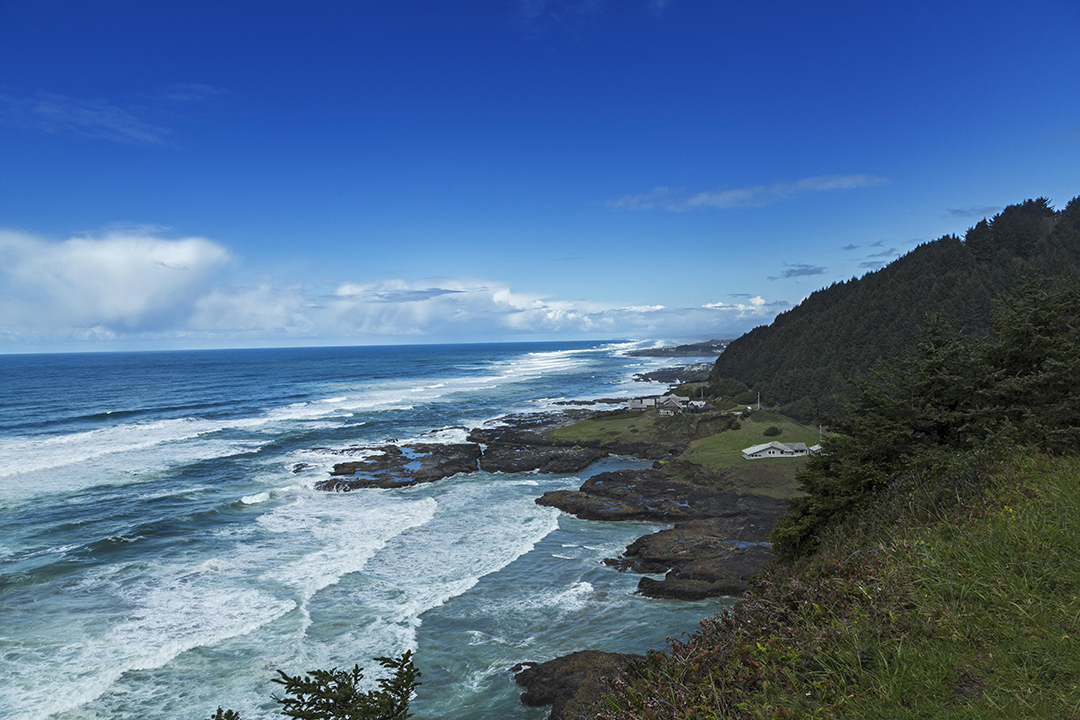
(163, 550)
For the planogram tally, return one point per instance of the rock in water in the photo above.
(573, 684)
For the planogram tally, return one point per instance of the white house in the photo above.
(775, 449)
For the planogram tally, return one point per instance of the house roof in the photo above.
(782, 447)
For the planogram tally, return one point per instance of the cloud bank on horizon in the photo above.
(134, 286)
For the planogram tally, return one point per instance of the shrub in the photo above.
(771, 431)
(334, 694)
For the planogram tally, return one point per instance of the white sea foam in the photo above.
(161, 610)
(262, 571)
(477, 530)
(25, 455)
(256, 498)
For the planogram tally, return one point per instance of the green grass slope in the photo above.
(714, 444)
(925, 607)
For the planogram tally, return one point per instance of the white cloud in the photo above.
(119, 282)
(99, 119)
(130, 286)
(750, 196)
(754, 307)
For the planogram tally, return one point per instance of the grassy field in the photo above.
(973, 614)
(711, 444)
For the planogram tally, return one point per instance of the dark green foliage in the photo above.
(225, 715)
(1036, 383)
(838, 333)
(950, 393)
(771, 431)
(726, 387)
(333, 694)
(804, 410)
(690, 390)
(746, 398)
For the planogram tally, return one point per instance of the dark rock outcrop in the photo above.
(516, 445)
(524, 458)
(639, 495)
(701, 558)
(573, 684)
(527, 428)
(399, 466)
(718, 542)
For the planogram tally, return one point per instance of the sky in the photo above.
(263, 174)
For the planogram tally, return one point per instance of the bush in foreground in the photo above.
(335, 695)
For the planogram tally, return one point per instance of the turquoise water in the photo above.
(159, 556)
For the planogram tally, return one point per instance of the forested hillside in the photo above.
(804, 359)
(928, 566)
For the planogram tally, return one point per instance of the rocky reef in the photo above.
(402, 465)
(572, 684)
(717, 544)
(516, 445)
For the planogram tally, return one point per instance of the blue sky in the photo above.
(233, 174)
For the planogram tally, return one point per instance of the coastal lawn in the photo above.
(924, 606)
(713, 444)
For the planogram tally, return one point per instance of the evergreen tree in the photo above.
(838, 333)
(335, 694)
(948, 394)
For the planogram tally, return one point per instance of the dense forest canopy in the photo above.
(805, 360)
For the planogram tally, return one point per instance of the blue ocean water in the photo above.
(160, 555)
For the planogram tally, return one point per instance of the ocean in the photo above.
(163, 551)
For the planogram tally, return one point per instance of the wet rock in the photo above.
(528, 428)
(640, 495)
(701, 558)
(573, 684)
(525, 458)
(400, 466)
(675, 375)
(718, 542)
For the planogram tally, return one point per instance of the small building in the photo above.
(669, 405)
(642, 403)
(697, 406)
(775, 449)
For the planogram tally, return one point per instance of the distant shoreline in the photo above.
(701, 349)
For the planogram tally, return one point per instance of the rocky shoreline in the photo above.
(718, 541)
